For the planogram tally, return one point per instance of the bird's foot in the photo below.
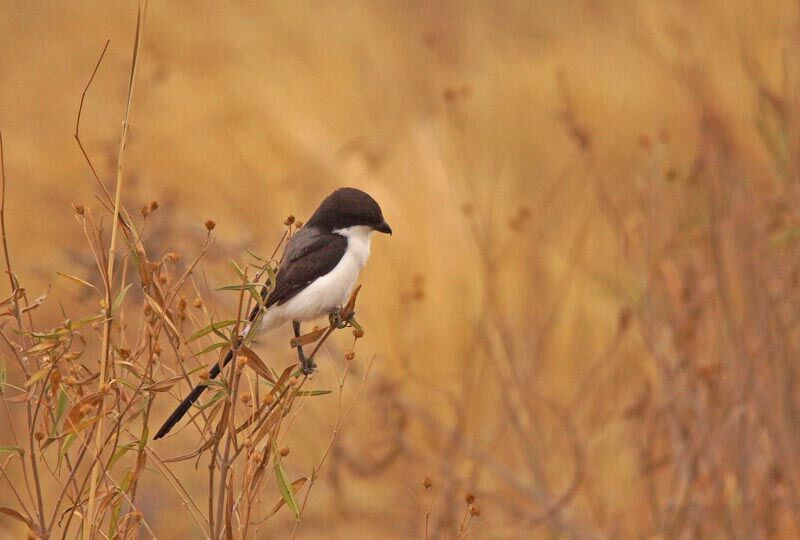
(308, 367)
(335, 318)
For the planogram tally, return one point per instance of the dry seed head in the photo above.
(427, 483)
(162, 279)
(474, 510)
(78, 209)
(172, 256)
(145, 211)
(289, 220)
(298, 224)
(284, 451)
(38, 435)
(203, 376)
(358, 333)
(153, 205)
(246, 397)
(197, 302)
(156, 349)
(124, 353)
(210, 224)
(241, 361)
(349, 355)
(469, 498)
(269, 399)
(256, 456)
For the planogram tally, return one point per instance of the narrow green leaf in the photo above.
(120, 297)
(213, 327)
(252, 254)
(210, 348)
(313, 392)
(38, 376)
(11, 449)
(237, 269)
(285, 487)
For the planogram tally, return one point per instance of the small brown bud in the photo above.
(197, 302)
(427, 483)
(469, 498)
(172, 256)
(78, 209)
(289, 220)
(210, 224)
(153, 205)
(284, 451)
(349, 355)
(38, 435)
(182, 303)
(145, 211)
(246, 397)
(156, 349)
(358, 333)
(256, 456)
(298, 224)
(241, 361)
(474, 510)
(269, 399)
(162, 279)
(203, 376)
(124, 353)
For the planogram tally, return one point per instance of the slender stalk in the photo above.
(90, 522)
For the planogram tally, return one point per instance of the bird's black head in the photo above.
(348, 207)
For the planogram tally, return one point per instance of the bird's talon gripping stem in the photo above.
(336, 320)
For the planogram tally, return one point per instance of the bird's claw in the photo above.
(336, 320)
(308, 367)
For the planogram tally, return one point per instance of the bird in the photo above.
(317, 274)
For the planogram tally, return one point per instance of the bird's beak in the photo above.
(384, 228)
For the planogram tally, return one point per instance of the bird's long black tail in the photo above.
(187, 402)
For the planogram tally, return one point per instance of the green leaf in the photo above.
(120, 297)
(2, 374)
(213, 327)
(252, 254)
(313, 392)
(210, 348)
(121, 451)
(36, 377)
(78, 280)
(61, 407)
(216, 397)
(11, 449)
(285, 487)
(237, 269)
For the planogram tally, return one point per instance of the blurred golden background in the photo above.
(587, 315)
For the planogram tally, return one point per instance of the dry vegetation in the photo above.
(587, 317)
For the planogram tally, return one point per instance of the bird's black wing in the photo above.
(309, 255)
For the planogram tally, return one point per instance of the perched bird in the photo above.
(318, 272)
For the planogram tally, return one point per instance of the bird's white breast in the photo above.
(330, 291)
